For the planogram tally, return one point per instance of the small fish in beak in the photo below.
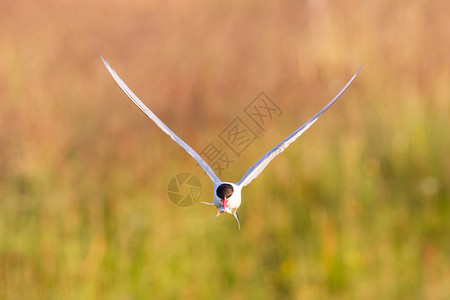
(221, 209)
(219, 212)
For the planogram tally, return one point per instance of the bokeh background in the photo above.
(357, 208)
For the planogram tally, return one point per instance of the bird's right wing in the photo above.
(161, 125)
(259, 166)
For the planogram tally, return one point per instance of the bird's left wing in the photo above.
(259, 166)
(161, 125)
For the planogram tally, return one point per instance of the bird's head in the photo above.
(224, 192)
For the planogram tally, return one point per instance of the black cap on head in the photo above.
(224, 191)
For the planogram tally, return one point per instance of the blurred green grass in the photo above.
(358, 208)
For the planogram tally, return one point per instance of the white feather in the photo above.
(161, 125)
(259, 166)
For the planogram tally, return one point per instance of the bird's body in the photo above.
(227, 195)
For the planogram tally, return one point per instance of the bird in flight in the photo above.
(227, 195)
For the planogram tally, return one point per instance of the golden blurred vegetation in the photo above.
(357, 208)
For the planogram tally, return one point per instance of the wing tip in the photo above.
(105, 62)
(359, 70)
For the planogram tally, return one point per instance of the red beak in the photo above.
(224, 202)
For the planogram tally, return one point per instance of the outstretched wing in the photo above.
(259, 166)
(160, 124)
